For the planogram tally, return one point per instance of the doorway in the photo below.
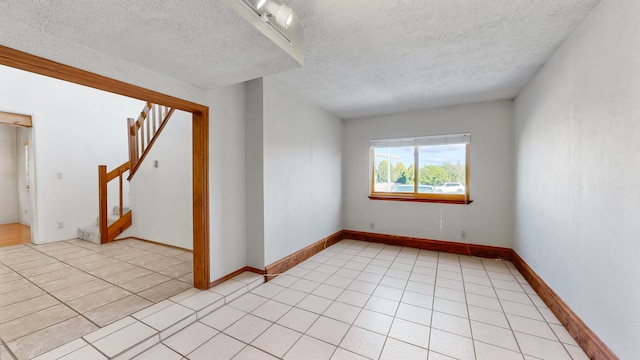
(16, 171)
(200, 139)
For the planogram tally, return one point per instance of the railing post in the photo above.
(102, 202)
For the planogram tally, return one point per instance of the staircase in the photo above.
(142, 134)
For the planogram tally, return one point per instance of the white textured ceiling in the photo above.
(362, 57)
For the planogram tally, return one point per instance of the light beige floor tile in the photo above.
(63, 350)
(14, 285)
(116, 310)
(107, 265)
(23, 308)
(491, 352)
(541, 348)
(63, 283)
(54, 275)
(97, 299)
(224, 346)
(329, 330)
(123, 339)
(9, 277)
(456, 346)
(124, 276)
(298, 319)
(276, 340)
(162, 263)
(24, 292)
(50, 337)
(144, 282)
(248, 328)
(178, 270)
(190, 338)
(164, 290)
(168, 316)
(309, 348)
(146, 259)
(394, 350)
(159, 352)
(35, 321)
(494, 335)
(374, 321)
(81, 289)
(251, 353)
(363, 342)
(223, 317)
(271, 310)
(451, 323)
(85, 353)
(33, 264)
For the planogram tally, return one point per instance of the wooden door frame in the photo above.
(200, 138)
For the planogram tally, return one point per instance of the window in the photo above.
(430, 168)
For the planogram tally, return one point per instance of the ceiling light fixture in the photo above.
(284, 14)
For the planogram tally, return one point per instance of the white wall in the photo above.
(24, 200)
(487, 221)
(228, 250)
(8, 175)
(161, 198)
(577, 153)
(302, 173)
(75, 129)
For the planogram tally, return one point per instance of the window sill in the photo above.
(440, 201)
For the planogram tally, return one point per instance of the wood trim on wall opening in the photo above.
(15, 119)
(200, 147)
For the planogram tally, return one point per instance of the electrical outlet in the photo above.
(60, 224)
(372, 225)
(463, 235)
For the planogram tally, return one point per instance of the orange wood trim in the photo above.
(24, 61)
(150, 144)
(102, 203)
(35, 64)
(428, 244)
(414, 199)
(584, 336)
(234, 274)
(15, 119)
(286, 263)
(119, 226)
(200, 156)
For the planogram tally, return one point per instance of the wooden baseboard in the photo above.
(284, 264)
(235, 273)
(584, 336)
(428, 244)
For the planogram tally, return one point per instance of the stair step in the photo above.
(90, 233)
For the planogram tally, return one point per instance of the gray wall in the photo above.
(8, 175)
(577, 154)
(488, 220)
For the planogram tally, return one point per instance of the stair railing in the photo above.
(109, 232)
(144, 131)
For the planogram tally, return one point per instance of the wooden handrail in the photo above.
(144, 131)
(109, 232)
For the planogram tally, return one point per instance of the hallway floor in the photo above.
(14, 234)
(353, 300)
(53, 293)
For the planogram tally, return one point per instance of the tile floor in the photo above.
(53, 293)
(354, 300)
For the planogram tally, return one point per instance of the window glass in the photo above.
(441, 163)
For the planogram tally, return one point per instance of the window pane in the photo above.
(393, 169)
(442, 168)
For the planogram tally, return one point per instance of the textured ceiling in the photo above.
(362, 57)
(367, 57)
(202, 42)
